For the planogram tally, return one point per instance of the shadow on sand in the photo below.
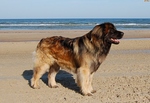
(62, 77)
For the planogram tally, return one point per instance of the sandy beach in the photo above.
(123, 77)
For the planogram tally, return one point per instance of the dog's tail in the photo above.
(40, 55)
(40, 43)
(34, 56)
(37, 55)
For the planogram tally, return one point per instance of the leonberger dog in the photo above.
(81, 55)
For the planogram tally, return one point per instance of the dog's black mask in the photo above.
(111, 34)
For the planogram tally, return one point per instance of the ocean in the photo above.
(71, 24)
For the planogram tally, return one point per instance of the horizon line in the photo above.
(85, 18)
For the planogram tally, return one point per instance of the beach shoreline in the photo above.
(35, 35)
(123, 77)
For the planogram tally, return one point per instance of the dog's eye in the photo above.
(112, 31)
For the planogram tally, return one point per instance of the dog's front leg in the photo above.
(83, 80)
(90, 84)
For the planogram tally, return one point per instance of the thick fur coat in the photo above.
(81, 55)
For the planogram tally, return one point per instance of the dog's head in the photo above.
(108, 33)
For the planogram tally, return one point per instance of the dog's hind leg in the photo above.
(37, 74)
(52, 74)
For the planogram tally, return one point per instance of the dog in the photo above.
(81, 55)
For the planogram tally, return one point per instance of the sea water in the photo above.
(72, 24)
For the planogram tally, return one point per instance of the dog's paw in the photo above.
(93, 91)
(35, 86)
(88, 94)
(54, 86)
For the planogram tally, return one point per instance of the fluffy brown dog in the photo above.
(82, 55)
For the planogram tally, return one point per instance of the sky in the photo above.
(17, 9)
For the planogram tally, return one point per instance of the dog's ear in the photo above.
(97, 31)
(108, 27)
